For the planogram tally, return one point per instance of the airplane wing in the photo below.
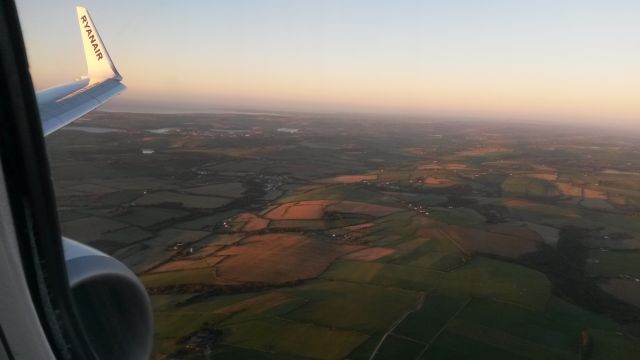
(63, 104)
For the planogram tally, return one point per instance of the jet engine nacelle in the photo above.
(112, 303)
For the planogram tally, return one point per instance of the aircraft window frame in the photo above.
(30, 196)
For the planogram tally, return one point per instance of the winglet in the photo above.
(99, 64)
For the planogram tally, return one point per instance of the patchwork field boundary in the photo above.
(395, 325)
(444, 327)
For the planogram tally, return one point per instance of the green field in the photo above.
(127, 235)
(516, 330)
(522, 333)
(364, 351)
(457, 216)
(432, 243)
(170, 327)
(394, 229)
(425, 323)
(149, 216)
(90, 228)
(526, 186)
(608, 345)
(353, 192)
(206, 222)
(249, 322)
(120, 197)
(70, 215)
(453, 346)
(395, 347)
(458, 328)
(481, 277)
(420, 198)
(173, 322)
(614, 263)
(344, 305)
(538, 212)
(395, 175)
(225, 352)
(432, 253)
(187, 201)
(274, 334)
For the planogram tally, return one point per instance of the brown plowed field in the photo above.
(303, 210)
(277, 258)
(252, 222)
(437, 181)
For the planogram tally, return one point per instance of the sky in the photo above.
(547, 60)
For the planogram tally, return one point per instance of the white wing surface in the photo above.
(63, 104)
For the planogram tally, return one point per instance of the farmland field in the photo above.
(363, 239)
(362, 307)
(614, 263)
